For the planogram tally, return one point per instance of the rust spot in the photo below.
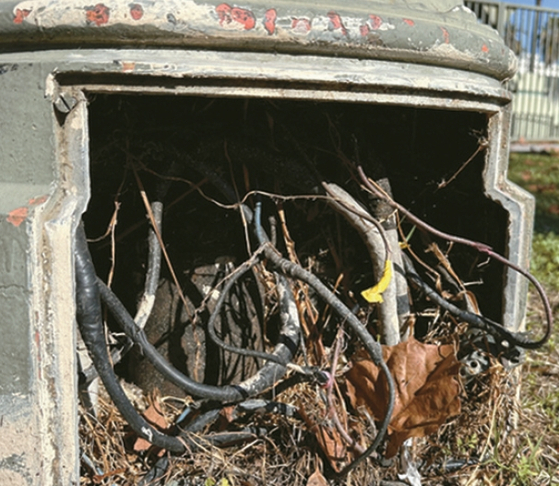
(37, 200)
(128, 66)
(98, 15)
(484, 48)
(136, 11)
(410, 22)
(17, 216)
(336, 22)
(270, 20)
(21, 15)
(446, 35)
(301, 26)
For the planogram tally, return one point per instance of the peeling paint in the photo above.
(98, 14)
(446, 35)
(336, 22)
(381, 34)
(136, 11)
(270, 20)
(35, 201)
(128, 66)
(20, 15)
(17, 216)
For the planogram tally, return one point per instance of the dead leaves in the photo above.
(427, 389)
(328, 439)
(155, 417)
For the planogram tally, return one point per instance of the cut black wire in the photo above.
(263, 379)
(90, 322)
(474, 320)
(153, 268)
(373, 347)
(482, 248)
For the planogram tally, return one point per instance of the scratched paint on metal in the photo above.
(451, 37)
(184, 15)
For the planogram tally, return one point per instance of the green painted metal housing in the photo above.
(442, 33)
(429, 55)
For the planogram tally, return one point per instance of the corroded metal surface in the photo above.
(435, 33)
(430, 55)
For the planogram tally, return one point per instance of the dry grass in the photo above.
(507, 432)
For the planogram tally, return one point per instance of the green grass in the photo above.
(538, 459)
(539, 174)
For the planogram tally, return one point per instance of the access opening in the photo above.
(199, 155)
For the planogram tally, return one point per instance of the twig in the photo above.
(481, 247)
(377, 245)
(332, 413)
(483, 144)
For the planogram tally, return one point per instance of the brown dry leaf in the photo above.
(329, 440)
(155, 417)
(427, 389)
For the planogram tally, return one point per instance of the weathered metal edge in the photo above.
(452, 39)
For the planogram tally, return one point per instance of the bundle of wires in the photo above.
(90, 291)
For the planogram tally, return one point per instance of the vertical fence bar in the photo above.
(533, 34)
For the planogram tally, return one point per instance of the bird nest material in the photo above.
(266, 288)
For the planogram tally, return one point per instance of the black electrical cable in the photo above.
(150, 287)
(474, 320)
(233, 278)
(153, 268)
(263, 379)
(373, 347)
(90, 322)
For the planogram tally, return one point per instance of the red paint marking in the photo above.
(17, 216)
(136, 11)
(21, 15)
(410, 22)
(270, 20)
(484, 48)
(301, 25)
(37, 200)
(375, 21)
(128, 66)
(336, 22)
(244, 17)
(98, 15)
(228, 14)
(224, 13)
(446, 35)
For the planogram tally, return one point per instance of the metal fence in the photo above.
(533, 34)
